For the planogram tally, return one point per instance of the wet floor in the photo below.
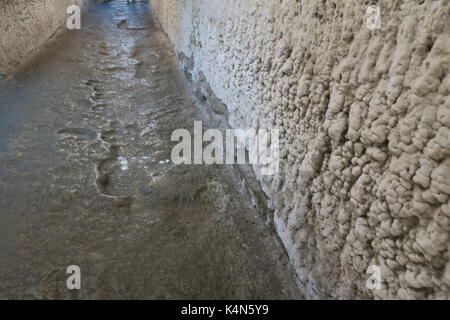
(86, 178)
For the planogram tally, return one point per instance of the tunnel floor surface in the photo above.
(86, 178)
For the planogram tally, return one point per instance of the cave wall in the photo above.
(364, 117)
(25, 25)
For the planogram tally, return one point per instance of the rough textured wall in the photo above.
(365, 123)
(26, 24)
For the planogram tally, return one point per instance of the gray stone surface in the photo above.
(364, 117)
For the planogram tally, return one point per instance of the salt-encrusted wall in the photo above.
(365, 129)
(26, 24)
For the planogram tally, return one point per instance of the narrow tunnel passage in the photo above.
(118, 135)
(86, 177)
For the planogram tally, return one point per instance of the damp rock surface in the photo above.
(86, 178)
(26, 25)
(364, 122)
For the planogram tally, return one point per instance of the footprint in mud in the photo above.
(113, 68)
(108, 177)
(85, 133)
(104, 51)
(112, 179)
(97, 98)
(96, 95)
(123, 24)
(108, 135)
(91, 82)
